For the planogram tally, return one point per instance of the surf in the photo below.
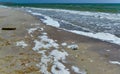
(98, 25)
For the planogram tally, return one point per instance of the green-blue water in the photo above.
(114, 8)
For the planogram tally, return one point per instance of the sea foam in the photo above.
(113, 16)
(98, 35)
(48, 20)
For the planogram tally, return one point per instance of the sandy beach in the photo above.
(20, 53)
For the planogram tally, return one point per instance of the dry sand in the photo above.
(92, 54)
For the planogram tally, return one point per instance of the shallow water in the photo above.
(99, 25)
(83, 21)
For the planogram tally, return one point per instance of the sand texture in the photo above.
(91, 55)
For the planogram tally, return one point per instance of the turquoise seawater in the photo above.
(112, 8)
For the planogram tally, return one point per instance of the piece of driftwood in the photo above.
(8, 28)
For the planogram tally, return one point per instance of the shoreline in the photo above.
(108, 37)
(91, 52)
(105, 44)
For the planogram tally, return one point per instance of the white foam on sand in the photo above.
(31, 30)
(72, 46)
(54, 57)
(58, 55)
(59, 68)
(21, 43)
(48, 20)
(115, 62)
(43, 65)
(45, 43)
(102, 36)
(77, 70)
(64, 44)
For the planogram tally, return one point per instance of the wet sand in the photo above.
(92, 54)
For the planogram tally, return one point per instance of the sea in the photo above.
(100, 21)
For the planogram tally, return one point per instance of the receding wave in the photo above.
(103, 26)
